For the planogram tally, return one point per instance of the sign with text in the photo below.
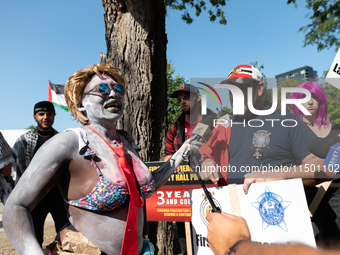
(276, 212)
(333, 75)
(332, 160)
(172, 201)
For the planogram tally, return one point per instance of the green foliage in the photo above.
(30, 127)
(287, 83)
(214, 10)
(223, 111)
(267, 96)
(333, 99)
(325, 25)
(173, 82)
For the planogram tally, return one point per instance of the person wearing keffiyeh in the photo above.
(6, 160)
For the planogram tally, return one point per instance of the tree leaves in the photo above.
(333, 99)
(287, 83)
(215, 11)
(324, 28)
(173, 82)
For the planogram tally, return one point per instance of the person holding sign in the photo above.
(229, 234)
(97, 169)
(266, 147)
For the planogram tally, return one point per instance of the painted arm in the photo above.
(311, 171)
(162, 174)
(44, 172)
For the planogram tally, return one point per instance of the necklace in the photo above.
(44, 136)
(310, 124)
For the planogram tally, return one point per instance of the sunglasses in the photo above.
(105, 89)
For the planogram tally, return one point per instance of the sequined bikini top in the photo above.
(106, 195)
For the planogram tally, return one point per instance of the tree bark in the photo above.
(136, 42)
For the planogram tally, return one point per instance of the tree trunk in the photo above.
(136, 42)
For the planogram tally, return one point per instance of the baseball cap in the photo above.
(44, 106)
(243, 74)
(185, 87)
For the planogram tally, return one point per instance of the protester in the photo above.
(97, 169)
(326, 219)
(261, 149)
(6, 160)
(189, 99)
(229, 234)
(318, 121)
(24, 150)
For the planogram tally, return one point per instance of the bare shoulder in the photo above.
(67, 136)
(63, 144)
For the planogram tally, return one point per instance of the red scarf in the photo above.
(130, 240)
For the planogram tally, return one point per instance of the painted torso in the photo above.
(108, 195)
(81, 181)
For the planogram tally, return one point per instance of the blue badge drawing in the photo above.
(271, 209)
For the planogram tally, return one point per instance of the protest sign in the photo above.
(276, 212)
(172, 201)
(333, 75)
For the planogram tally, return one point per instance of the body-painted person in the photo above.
(97, 169)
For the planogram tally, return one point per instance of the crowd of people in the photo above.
(95, 184)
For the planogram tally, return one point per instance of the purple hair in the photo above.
(321, 96)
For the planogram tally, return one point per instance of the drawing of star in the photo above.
(271, 209)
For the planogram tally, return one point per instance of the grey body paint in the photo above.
(59, 163)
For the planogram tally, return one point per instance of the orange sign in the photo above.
(172, 201)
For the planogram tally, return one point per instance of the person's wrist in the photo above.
(232, 249)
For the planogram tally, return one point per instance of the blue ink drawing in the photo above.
(271, 209)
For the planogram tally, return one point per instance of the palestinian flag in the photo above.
(56, 95)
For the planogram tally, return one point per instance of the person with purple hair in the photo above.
(318, 121)
(326, 219)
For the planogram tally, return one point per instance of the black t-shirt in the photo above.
(262, 143)
(42, 138)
